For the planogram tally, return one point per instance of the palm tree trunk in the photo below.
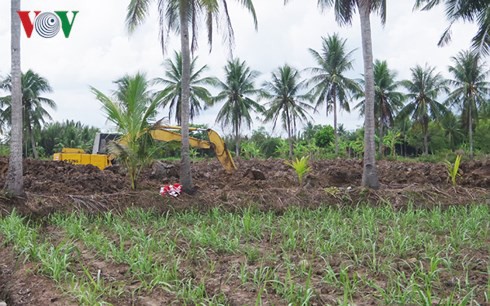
(335, 124)
(426, 140)
(31, 136)
(470, 131)
(185, 163)
(14, 182)
(369, 174)
(381, 140)
(237, 141)
(290, 135)
(291, 147)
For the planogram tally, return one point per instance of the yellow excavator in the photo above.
(102, 159)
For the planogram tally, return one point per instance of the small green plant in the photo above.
(300, 166)
(193, 153)
(453, 169)
(390, 140)
(250, 150)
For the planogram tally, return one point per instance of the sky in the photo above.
(100, 50)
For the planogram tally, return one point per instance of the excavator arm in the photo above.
(216, 143)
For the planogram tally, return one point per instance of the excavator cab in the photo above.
(101, 142)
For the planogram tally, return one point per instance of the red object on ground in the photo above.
(172, 190)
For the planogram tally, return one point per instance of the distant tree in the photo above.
(199, 96)
(67, 134)
(286, 101)
(324, 136)
(236, 91)
(132, 109)
(387, 99)
(471, 89)
(482, 136)
(452, 130)
(330, 85)
(33, 105)
(423, 90)
(466, 10)
(310, 130)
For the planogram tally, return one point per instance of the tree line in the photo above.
(426, 104)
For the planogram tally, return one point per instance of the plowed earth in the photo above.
(267, 184)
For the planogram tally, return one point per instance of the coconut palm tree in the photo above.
(452, 129)
(286, 101)
(344, 11)
(236, 91)
(387, 100)
(330, 85)
(423, 91)
(471, 89)
(132, 108)
(199, 95)
(14, 182)
(33, 105)
(181, 16)
(466, 10)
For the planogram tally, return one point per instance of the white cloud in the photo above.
(100, 50)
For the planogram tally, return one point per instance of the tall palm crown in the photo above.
(211, 12)
(236, 91)
(172, 92)
(330, 85)
(423, 90)
(473, 11)
(471, 88)
(35, 114)
(387, 100)
(181, 16)
(286, 100)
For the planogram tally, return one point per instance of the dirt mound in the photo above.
(270, 184)
(49, 177)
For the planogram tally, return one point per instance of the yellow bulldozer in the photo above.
(101, 158)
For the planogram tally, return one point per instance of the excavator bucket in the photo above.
(221, 151)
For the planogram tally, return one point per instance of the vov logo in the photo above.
(47, 24)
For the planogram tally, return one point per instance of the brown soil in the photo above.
(267, 184)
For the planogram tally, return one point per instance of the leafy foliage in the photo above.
(132, 108)
(172, 92)
(67, 134)
(237, 92)
(465, 10)
(424, 89)
(324, 137)
(471, 89)
(330, 85)
(33, 104)
(286, 100)
(300, 166)
(453, 169)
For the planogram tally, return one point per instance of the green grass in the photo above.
(326, 256)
